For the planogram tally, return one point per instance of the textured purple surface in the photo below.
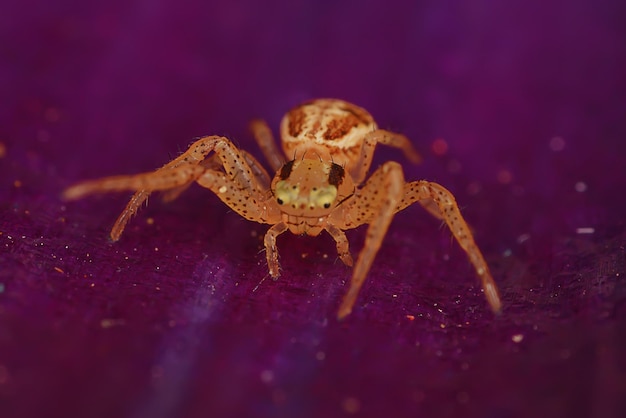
(531, 100)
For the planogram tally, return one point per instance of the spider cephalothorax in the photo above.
(323, 187)
(308, 191)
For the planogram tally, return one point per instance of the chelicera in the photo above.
(321, 186)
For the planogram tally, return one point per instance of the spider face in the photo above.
(310, 187)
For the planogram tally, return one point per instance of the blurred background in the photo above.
(518, 107)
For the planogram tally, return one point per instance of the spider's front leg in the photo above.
(256, 207)
(375, 204)
(175, 176)
(215, 164)
(447, 209)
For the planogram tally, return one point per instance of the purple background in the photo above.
(530, 98)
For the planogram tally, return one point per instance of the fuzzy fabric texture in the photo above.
(518, 107)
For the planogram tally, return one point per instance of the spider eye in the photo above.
(323, 197)
(285, 193)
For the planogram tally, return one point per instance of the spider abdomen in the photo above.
(330, 129)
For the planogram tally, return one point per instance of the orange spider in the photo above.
(322, 188)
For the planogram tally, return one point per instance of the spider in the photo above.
(323, 186)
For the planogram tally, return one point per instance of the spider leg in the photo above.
(144, 184)
(375, 204)
(173, 194)
(257, 207)
(432, 208)
(161, 179)
(259, 172)
(448, 210)
(343, 248)
(359, 170)
(131, 209)
(175, 175)
(264, 138)
(212, 163)
(271, 250)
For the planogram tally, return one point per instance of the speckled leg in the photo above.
(131, 209)
(381, 136)
(259, 172)
(343, 247)
(144, 183)
(448, 210)
(432, 208)
(213, 163)
(253, 207)
(271, 250)
(376, 205)
(264, 138)
(176, 174)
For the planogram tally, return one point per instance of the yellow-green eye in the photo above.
(286, 193)
(323, 197)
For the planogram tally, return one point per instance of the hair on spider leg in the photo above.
(193, 141)
(262, 250)
(261, 282)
